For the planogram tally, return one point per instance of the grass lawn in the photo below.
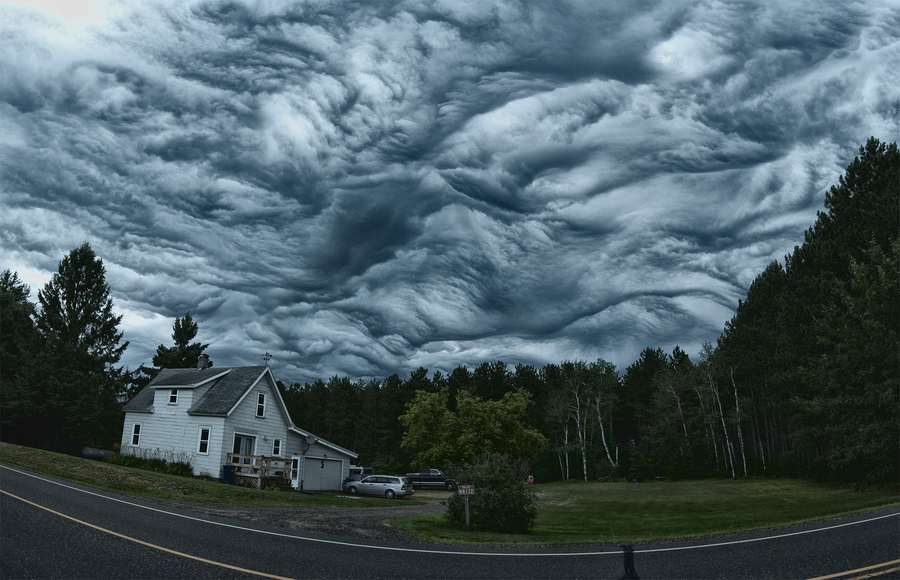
(568, 512)
(578, 512)
(172, 487)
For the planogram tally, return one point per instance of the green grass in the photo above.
(578, 512)
(171, 487)
(568, 512)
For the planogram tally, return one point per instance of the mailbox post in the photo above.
(466, 491)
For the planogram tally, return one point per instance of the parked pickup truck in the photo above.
(432, 478)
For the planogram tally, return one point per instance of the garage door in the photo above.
(321, 473)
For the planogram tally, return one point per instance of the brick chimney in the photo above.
(203, 361)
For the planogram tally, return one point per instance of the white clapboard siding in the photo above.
(243, 420)
(170, 432)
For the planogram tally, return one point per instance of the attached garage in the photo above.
(320, 473)
(317, 464)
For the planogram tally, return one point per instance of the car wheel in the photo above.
(450, 486)
(352, 490)
(389, 494)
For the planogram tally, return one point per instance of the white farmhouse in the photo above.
(204, 413)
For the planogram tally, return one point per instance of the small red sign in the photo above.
(466, 490)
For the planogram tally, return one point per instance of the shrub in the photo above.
(182, 468)
(502, 501)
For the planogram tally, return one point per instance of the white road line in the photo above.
(447, 552)
(147, 544)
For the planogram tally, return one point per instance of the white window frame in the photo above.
(173, 397)
(276, 447)
(201, 441)
(261, 405)
(136, 433)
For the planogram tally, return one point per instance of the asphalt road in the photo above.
(96, 534)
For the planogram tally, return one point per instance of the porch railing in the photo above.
(259, 471)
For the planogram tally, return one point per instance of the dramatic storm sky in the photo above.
(363, 188)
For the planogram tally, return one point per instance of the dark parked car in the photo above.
(389, 486)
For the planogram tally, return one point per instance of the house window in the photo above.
(173, 397)
(276, 448)
(136, 434)
(203, 446)
(261, 405)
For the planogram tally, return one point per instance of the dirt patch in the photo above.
(353, 522)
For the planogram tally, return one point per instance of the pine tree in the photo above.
(80, 386)
(18, 348)
(185, 353)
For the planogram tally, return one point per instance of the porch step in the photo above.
(281, 483)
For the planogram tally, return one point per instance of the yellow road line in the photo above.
(848, 572)
(175, 552)
(873, 574)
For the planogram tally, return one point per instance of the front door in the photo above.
(244, 445)
(295, 472)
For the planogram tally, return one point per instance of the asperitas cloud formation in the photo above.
(364, 188)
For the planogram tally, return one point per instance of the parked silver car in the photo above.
(389, 486)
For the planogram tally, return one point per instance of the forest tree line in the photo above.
(804, 380)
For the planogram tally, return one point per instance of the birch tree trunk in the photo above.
(598, 408)
(582, 441)
(579, 406)
(710, 429)
(737, 411)
(715, 392)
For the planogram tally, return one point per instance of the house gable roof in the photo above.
(169, 379)
(323, 442)
(227, 388)
(187, 378)
(223, 396)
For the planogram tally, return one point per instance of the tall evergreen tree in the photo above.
(857, 399)
(81, 387)
(637, 389)
(18, 348)
(805, 350)
(185, 353)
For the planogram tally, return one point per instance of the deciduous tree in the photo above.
(438, 435)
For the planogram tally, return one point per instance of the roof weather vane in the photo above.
(266, 357)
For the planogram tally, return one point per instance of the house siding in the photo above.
(211, 463)
(170, 433)
(243, 420)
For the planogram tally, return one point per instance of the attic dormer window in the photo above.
(261, 405)
(173, 397)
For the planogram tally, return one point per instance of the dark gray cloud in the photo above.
(364, 188)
